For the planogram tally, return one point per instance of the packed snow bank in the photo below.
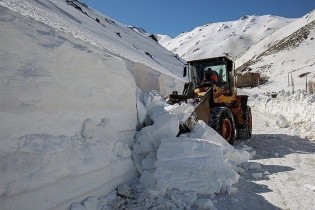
(296, 109)
(200, 161)
(67, 112)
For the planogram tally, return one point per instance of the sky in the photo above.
(172, 17)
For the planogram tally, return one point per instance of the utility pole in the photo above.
(288, 79)
(292, 83)
(305, 75)
(306, 83)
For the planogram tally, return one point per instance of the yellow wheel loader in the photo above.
(211, 88)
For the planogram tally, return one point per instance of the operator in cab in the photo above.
(211, 76)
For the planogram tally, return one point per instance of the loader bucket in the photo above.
(202, 112)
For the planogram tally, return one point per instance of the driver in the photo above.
(211, 76)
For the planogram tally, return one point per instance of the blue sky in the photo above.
(171, 17)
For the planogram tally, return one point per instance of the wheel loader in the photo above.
(211, 88)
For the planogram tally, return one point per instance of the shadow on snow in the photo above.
(266, 146)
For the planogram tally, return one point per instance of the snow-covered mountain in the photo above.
(271, 45)
(288, 50)
(223, 38)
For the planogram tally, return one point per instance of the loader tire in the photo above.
(245, 131)
(222, 121)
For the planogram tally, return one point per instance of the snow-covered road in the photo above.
(287, 166)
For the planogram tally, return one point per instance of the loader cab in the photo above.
(199, 72)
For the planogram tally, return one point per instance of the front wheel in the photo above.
(245, 131)
(222, 121)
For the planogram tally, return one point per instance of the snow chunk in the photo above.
(149, 138)
(282, 122)
(121, 150)
(142, 112)
(204, 204)
(147, 180)
(182, 111)
(239, 170)
(203, 131)
(192, 165)
(309, 187)
(250, 166)
(123, 190)
(90, 203)
(185, 199)
(253, 165)
(257, 175)
(148, 162)
(266, 173)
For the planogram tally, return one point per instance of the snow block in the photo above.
(123, 190)
(282, 122)
(192, 165)
(204, 204)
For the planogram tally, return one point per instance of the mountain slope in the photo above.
(224, 38)
(271, 45)
(288, 50)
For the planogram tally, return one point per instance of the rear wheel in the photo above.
(222, 120)
(245, 131)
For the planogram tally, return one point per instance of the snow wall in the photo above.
(68, 116)
(287, 108)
